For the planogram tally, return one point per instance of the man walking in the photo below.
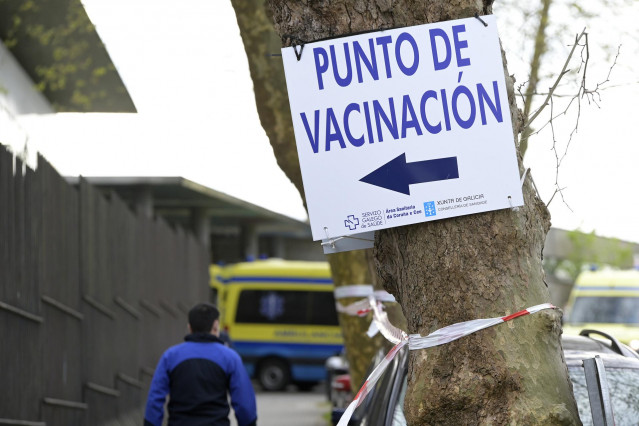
(197, 375)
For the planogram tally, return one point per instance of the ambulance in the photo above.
(280, 317)
(606, 301)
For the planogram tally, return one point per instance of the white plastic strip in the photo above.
(359, 308)
(372, 329)
(384, 296)
(363, 306)
(416, 341)
(357, 290)
(455, 331)
(362, 290)
(380, 318)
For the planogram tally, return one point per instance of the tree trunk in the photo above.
(261, 42)
(453, 270)
(269, 84)
(349, 268)
(541, 45)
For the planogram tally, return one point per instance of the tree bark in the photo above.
(541, 45)
(267, 72)
(453, 270)
(271, 97)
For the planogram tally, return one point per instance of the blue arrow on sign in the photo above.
(397, 174)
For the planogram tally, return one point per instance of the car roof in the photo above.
(578, 348)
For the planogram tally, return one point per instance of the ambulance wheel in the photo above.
(273, 374)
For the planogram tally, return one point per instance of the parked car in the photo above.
(620, 374)
(613, 364)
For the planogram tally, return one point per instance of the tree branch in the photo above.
(563, 72)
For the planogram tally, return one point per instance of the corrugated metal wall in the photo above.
(91, 294)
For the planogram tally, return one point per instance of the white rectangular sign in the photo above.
(402, 126)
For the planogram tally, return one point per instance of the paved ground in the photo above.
(291, 408)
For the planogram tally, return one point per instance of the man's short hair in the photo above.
(202, 316)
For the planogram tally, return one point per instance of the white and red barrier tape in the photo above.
(364, 306)
(417, 341)
(360, 307)
(381, 323)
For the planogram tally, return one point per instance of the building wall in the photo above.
(18, 96)
(228, 248)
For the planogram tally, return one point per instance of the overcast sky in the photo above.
(185, 68)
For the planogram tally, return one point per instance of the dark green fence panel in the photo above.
(20, 313)
(59, 276)
(91, 294)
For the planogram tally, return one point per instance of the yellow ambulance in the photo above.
(606, 301)
(280, 316)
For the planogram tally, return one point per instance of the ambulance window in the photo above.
(323, 308)
(620, 310)
(272, 307)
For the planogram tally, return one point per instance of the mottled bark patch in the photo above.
(316, 20)
(469, 390)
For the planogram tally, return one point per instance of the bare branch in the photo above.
(522, 95)
(558, 160)
(593, 96)
(563, 72)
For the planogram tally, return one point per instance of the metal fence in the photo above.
(91, 294)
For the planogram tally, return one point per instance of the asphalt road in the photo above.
(291, 408)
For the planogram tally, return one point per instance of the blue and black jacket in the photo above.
(197, 374)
